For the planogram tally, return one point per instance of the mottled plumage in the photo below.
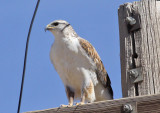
(100, 70)
(78, 65)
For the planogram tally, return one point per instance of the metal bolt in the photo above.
(127, 108)
(131, 20)
(133, 73)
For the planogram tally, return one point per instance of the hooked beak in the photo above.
(48, 27)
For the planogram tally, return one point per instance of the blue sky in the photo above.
(96, 21)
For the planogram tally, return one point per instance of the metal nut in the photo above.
(133, 73)
(127, 108)
(131, 20)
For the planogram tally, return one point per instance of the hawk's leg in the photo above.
(82, 100)
(87, 92)
(70, 96)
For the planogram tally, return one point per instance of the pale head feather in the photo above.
(61, 27)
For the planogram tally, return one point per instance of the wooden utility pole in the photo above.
(139, 25)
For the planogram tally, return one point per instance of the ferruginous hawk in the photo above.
(78, 65)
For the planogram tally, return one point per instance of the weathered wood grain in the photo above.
(147, 46)
(125, 49)
(145, 104)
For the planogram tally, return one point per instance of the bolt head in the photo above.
(132, 72)
(131, 20)
(127, 108)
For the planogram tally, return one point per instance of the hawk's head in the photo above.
(57, 26)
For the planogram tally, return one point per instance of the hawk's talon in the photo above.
(80, 103)
(65, 105)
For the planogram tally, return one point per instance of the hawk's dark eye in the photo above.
(55, 24)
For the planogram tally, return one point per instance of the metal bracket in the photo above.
(137, 74)
(133, 22)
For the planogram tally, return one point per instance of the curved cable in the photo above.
(25, 58)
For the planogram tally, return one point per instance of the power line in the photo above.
(25, 58)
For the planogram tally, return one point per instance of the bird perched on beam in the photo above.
(78, 65)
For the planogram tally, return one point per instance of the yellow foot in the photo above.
(80, 103)
(66, 105)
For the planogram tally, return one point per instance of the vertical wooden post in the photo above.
(140, 48)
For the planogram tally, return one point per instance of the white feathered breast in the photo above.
(73, 65)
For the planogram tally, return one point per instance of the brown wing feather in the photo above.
(100, 70)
